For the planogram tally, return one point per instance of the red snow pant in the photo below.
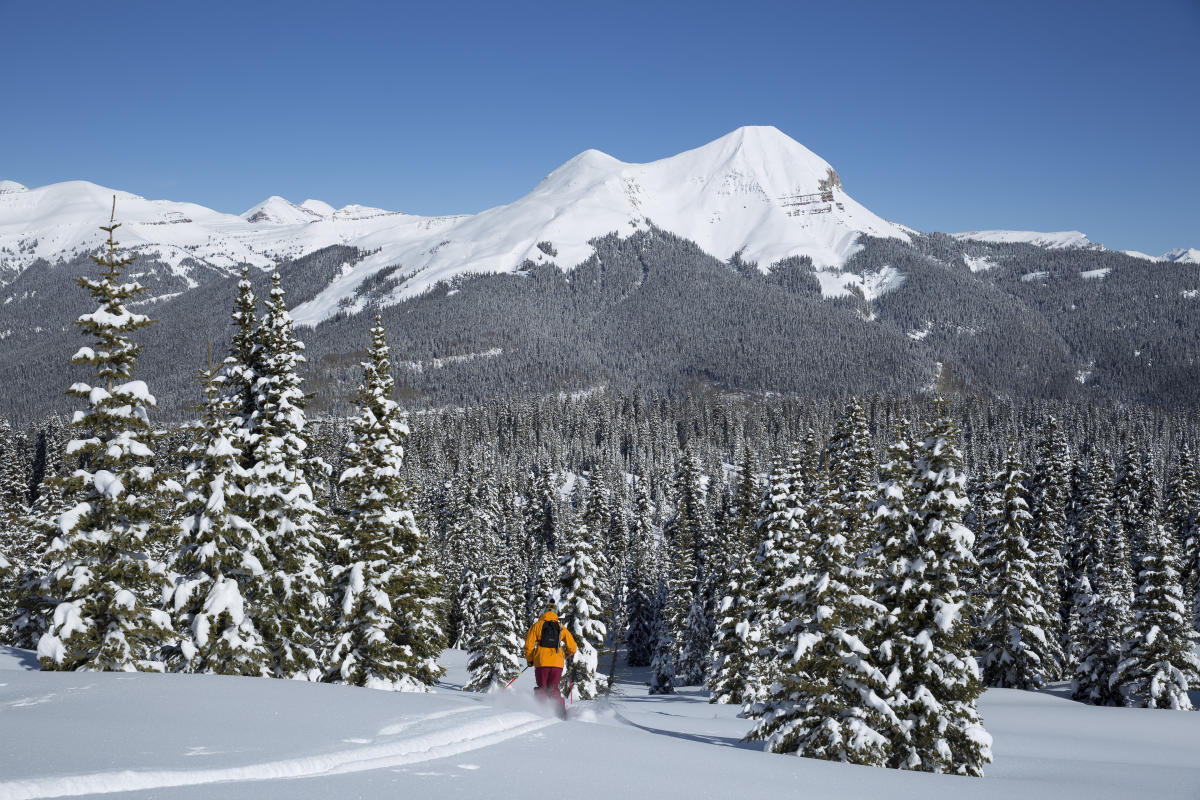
(546, 680)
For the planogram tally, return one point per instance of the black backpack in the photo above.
(551, 634)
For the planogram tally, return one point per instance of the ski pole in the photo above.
(570, 684)
(519, 674)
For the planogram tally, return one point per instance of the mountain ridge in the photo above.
(755, 192)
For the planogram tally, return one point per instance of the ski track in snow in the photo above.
(436, 744)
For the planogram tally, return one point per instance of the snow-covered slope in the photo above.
(277, 211)
(204, 736)
(1053, 240)
(1183, 255)
(1061, 240)
(62, 220)
(755, 191)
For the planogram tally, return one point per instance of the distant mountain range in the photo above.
(751, 247)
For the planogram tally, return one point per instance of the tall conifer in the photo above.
(385, 627)
(106, 583)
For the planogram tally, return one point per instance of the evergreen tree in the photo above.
(1102, 593)
(1018, 652)
(221, 555)
(580, 612)
(687, 534)
(106, 584)
(385, 626)
(469, 604)
(1157, 662)
(850, 468)
(895, 538)
(242, 368)
(21, 547)
(1182, 518)
(280, 498)
(924, 649)
(662, 665)
(543, 522)
(12, 482)
(643, 582)
(1047, 540)
(496, 650)
(746, 504)
(779, 555)
(735, 645)
(828, 701)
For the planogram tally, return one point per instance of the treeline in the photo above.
(851, 573)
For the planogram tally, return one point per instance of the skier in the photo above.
(544, 650)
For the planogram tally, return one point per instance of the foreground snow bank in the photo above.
(153, 736)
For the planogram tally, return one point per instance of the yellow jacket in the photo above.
(546, 656)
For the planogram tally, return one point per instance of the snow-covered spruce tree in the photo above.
(468, 603)
(241, 369)
(1092, 527)
(580, 611)
(779, 554)
(828, 700)
(107, 586)
(984, 516)
(1128, 492)
(280, 504)
(543, 510)
(539, 595)
(21, 547)
(850, 469)
(643, 582)
(220, 557)
(924, 650)
(735, 645)
(696, 646)
(30, 555)
(1182, 518)
(662, 664)
(1048, 537)
(688, 532)
(496, 650)
(597, 519)
(1102, 594)
(471, 541)
(385, 627)
(1017, 651)
(747, 500)
(1157, 662)
(892, 518)
(12, 483)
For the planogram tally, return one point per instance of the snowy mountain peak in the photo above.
(767, 152)
(12, 187)
(1183, 255)
(277, 211)
(318, 207)
(754, 191)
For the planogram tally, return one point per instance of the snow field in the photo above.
(153, 736)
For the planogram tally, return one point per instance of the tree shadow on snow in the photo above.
(13, 658)
(722, 741)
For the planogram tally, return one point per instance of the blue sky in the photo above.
(941, 115)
